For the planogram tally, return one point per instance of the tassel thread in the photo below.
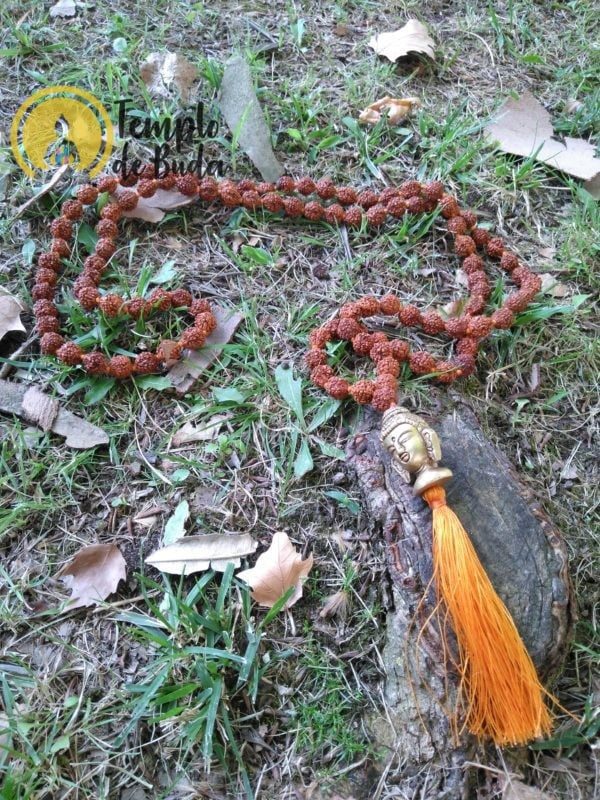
(502, 696)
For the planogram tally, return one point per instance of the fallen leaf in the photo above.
(185, 372)
(197, 553)
(175, 527)
(336, 605)
(152, 209)
(160, 71)
(534, 378)
(276, 570)
(517, 790)
(93, 574)
(569, 472)
(552, 287)
(593, 187)
(38, 408)
(243, 114)
(341, 30)
(547, 253)
(44, 189)
(397, 109)
(453, 309)
(64, 8)
(523, 127)
(10, 313)
(204, 432)
(412, 38)
(238, 240)
(572, 106)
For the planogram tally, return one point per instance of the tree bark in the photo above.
(525, 558)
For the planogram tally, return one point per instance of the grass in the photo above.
(113, 700)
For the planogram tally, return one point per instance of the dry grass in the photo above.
(64, 680)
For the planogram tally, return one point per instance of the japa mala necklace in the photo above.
(503, 698)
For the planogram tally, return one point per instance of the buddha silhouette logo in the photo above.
(60, 125)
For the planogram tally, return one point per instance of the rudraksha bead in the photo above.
(362, 391)
(390, 305)
(70, 354)
(146, 363)
(305, 186)
(432, 323)
(95, 363)
(50, 343)
(120, 367)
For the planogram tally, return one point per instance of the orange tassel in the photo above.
(502, 695)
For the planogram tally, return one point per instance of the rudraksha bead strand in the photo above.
(315, 201)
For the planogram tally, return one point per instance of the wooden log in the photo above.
(523, 553)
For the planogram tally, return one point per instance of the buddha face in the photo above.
(406, 444)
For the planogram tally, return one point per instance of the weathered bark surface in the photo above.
(525, 558)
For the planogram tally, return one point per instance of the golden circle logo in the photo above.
(61, 125)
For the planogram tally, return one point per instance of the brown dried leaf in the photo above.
(523, 127)
(534, 378)
(593, 187)
(547, 253)
(185, 372)
(44, 189)
(336, 605)
(453, 309)
(152, 209)
(38, 408)
(517, 790)
(197, 553)
(10, 313)
(553, 287)
(277, 570)
(93, 574)
(160, 71)
(412, 38)
(244, 116)
(204, 432)
(397, 109)
(64, 8)
(341, 30)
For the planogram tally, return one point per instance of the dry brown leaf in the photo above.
(517, 790)
(152, 209)
(593, 187)
(93, 574)
(197, 553)
(547, 253)
(341, 30)
(43, 190)
(397, 109)
(411, 38)
(64, 8)
(204, 432)
(244, 116)
(185, 372)
(277, 570)
(336, 605)
(453, 309)
(553, 287)
(534, 378)
(148, 516)
(523, 127)
(38, 408)
(10, 313)
(160, 71)
(569, 472)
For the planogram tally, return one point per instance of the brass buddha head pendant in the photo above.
(414, 448)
